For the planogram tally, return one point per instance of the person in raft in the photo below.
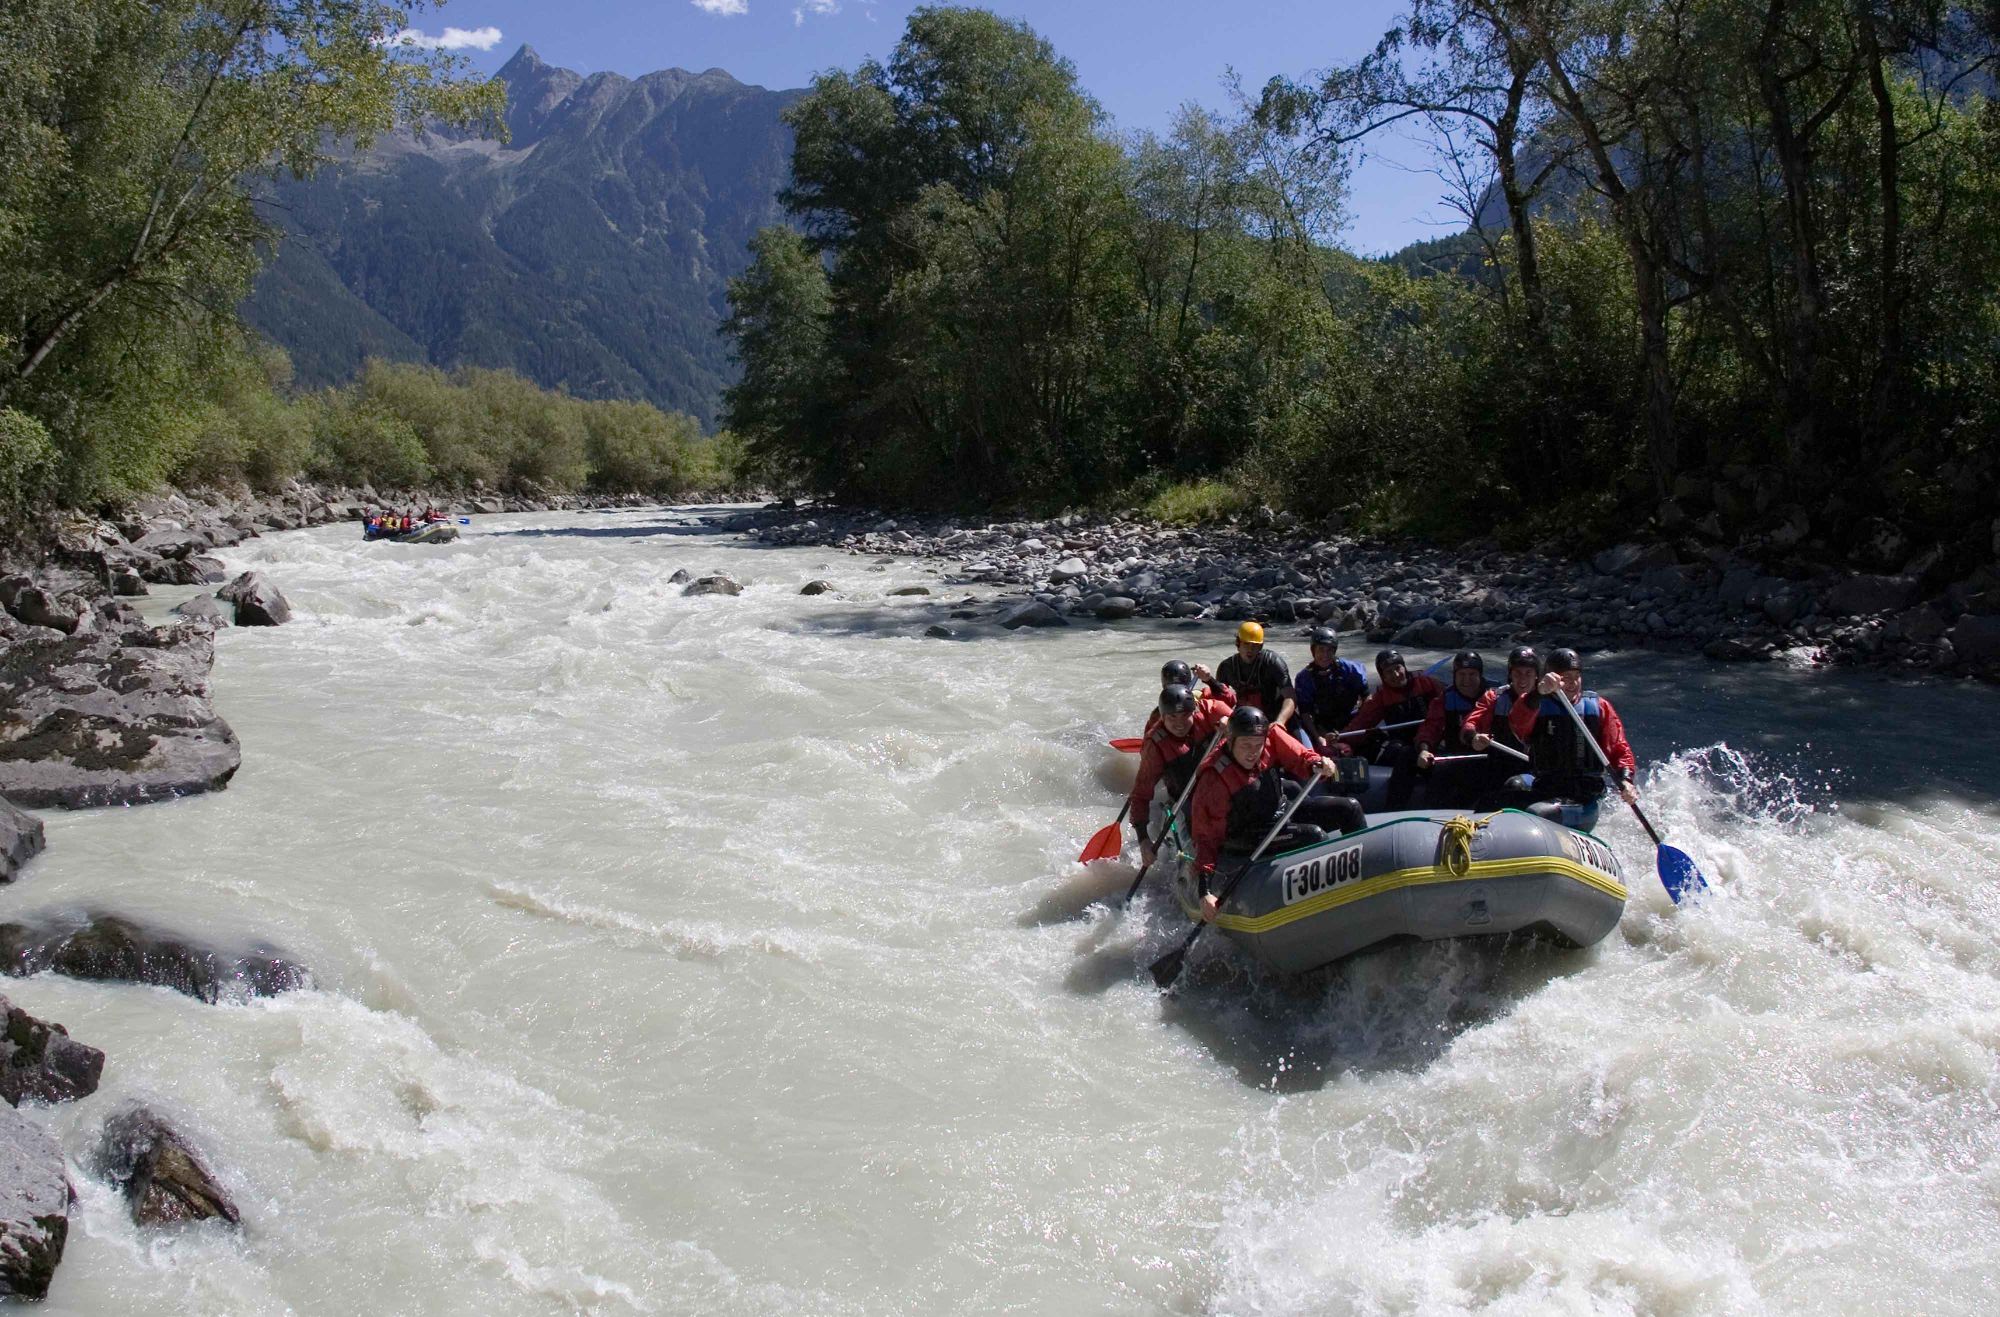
(1258, 676)
(1403, 697)
(1565, 781)
(1178, 672)
(1328, 690)
(1457, 785)
(1240, 794)
(1171, 754)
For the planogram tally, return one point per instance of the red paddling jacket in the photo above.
(1172, 758)
(1238, 805)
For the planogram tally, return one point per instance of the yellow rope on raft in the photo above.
(1455, 842)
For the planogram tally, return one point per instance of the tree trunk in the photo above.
(1527, 259)
(1885, 389)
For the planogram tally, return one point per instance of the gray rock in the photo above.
(712, 585)
(1782, 607)
(40, 1062)
(681, 576)
(1626, 559)
(106, 948)
(1976, 640)
(34, 606)
(174, 571)
(1117, 608)
(202, 610)
(257, 601)
(127, 583)
(21, 840)
(1922, 624)
(118, 715)
(909, 590)
(816, 587)
(1033, 613)
(1870, 594)
(938, 631)
(162, 1177)
(172, 542)
(35, 1195)
(1431, 633)
(1069, 569)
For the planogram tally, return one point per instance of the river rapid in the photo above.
(728, 955)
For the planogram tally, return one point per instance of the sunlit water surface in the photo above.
(727, 955)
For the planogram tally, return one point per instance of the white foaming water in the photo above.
(727, 955)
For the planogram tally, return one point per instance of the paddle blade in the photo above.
(1130, 745)
(1168, 967)
(1678, 873)
(1104, 844)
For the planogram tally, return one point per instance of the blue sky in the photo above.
(1140, 58)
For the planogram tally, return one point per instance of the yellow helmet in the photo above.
(1252, 632)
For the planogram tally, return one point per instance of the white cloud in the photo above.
(723, 8)
(815, 9)
(453, 38)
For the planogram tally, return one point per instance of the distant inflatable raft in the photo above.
(1421, 876)
(436, 532)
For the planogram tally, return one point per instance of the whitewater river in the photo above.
(728, 956)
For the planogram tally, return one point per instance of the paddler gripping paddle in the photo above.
(1676, 868)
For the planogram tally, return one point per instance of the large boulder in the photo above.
(35, 1197)
(40, 1062)
(1431, 633)
(1032, 613)
(20, 840)
(1976, 640)
(172, 542)
(202, 610)
(816, 587)
(1862, 593)
(712, 585)
(257, 601)
(107, 948)
(1117, 607)
(1069, 569)
(37, 607)
(117, 714)
(164, 1180)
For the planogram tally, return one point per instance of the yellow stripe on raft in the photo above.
(1430, 873)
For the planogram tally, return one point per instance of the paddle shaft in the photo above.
(1584, 729)
(1381, 727)
(1168, 967)
(1168, 824)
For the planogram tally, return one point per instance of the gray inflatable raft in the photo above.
(1424, 876)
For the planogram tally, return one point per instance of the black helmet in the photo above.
(1176, 699)
(1324, 635)
(1389, 658)
(1248, 720)
(1177, 673)
(1525, 657)
(1565, 660)
(1468, 658)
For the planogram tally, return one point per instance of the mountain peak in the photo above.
(523, 61)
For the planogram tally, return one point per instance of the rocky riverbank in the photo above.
(1275, 569)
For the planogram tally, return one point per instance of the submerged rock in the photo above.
(20, 840)
(164, 1180)
(39, 1061)
(35, 1196)
(816, 587)
(713, 585)
(113, 949)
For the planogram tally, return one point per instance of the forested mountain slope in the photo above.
(592, 252)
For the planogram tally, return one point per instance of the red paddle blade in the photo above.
(1105, 844)
(1130, 745)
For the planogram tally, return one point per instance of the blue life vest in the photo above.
(1456, 709)
(1332, 697)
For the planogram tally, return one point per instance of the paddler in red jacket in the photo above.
(1403, 697)
(1241, 793)
(1178, 672)
(1566, 781)
(1181, 731)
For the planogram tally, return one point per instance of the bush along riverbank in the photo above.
(1274, 568)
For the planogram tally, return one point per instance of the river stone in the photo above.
(203, 611)
(257, 601)
(1431, 633)
(938, 631)
(127, 583)
(41, 1062)
(816, 587)
(107, 948)
(1069, 569)
(161, 1175)
(35, 1196)
(20, 840)
(909, 590)
(1922, 624)
(681, 576)
(1117, 608)
(34, 606)
(1032, 613)
(1976, 640)
(1862, 593)
(713, 585)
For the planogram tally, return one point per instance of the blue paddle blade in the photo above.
(1678, 874)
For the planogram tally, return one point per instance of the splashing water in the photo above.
(728, 955)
